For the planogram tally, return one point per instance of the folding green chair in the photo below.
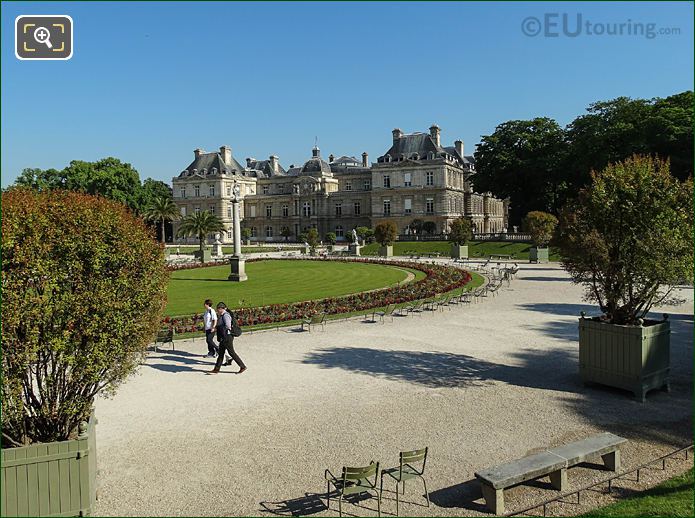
(406, 471)
(353, 481)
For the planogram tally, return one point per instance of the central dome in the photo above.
(316, 164)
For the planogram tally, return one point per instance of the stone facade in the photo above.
(416, 179)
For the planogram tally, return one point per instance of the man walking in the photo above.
(210, 321)
(225, 339)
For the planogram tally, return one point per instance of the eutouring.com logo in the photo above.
(555, 25)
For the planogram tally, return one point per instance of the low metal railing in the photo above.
(544, 504)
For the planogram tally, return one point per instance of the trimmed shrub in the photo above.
(385, 233)
(84, 287)
(541, 226)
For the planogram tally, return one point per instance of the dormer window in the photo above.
(387, 158)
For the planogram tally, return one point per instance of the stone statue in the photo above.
(355, 239)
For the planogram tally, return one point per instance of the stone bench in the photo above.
(553, 463)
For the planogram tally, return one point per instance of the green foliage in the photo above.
(476, 249)
(540, 165)
(460, 231)
(417, 225)
(523, 160)
(312, 237)
(246, 233)
(628, 238)
(541, 226)
(84, 286)
(286, 233)
(150, 191)
(162, 209)
(385, 233)
(366, 234)
(40, 179)
(200, 224)
(330, 238)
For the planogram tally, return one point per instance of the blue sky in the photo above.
(150, 82)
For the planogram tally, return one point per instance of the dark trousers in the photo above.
(228, 345)
(212, 348)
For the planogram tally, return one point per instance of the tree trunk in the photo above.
(202, 255)
(163, 240)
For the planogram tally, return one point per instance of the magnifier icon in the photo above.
(42, 35)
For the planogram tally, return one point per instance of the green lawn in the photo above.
(279, 281)
(671, 498)
(475, 249)
(188, 250)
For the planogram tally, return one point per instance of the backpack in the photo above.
(236, 330)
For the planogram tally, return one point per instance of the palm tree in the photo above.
(200, 224)
(162, 209)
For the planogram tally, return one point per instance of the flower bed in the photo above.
(439, 279)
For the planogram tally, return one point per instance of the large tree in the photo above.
(200, 224)
(161, 210)
(522, 160)
(83, 288)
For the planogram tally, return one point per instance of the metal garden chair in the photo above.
(406, 471)
(353, 481)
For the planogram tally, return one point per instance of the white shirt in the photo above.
(210, 319)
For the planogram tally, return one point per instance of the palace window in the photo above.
(254, 232)
(211, 190)
(196, 190)
(348, 185)
(229, 211)
(339, 232)
(408, 179)
(387, 207)
(408, 205)
(183, 212)
(229, 190)
(268, 231)
(252, 211)
(367, 185)
(429, 206)
(182, 192)
(266, 188)
(306, 209)
(230, 234)
(268, 211)
(285, 211)
(358, 208)
(339, 209)
(197, 210)
(387, 181)
(429, 178)
(211, 209)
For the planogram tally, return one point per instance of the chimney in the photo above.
(459, 147)
(274, 164)
(198, 152)
(397, 133)
(226, 153)
(365, 159)
(331, 158)
(434, 133)
(248, 162)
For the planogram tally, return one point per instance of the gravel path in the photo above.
(479, 385)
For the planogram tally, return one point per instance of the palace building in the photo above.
(415, 180)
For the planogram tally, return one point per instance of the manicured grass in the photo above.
(189, 250)
(481, 249)
(671, 498)
(476, 281)
(279, 281)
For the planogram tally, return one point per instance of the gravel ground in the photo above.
(480, 385)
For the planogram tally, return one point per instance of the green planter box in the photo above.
(459, 251)
(386, 251)
(537, 255)
(633, 358)
(50, 479)
(207, 255)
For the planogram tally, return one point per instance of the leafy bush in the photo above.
(84, 287)
(541, 226)
(366, 234)
(629, 237)
(385, 233)
(460, 231)
(312, 237)
(331, 239)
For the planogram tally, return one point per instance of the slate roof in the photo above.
(417, 146)
(209, 163)
(264, 167)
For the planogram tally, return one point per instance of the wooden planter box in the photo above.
(459, 251)
(50, 479)
(386, 251)
(633, 358)
(537, 255)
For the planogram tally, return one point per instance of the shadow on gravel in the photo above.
(544, 279)
(466, 494)
(189, 360)
(312, 503)
(441, 369)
